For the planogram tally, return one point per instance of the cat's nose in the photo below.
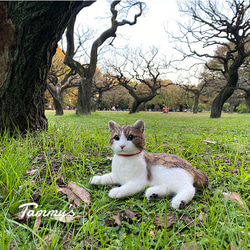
(122, 146)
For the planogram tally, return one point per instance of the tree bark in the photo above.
(31, 31)
(219, 101)
(247, 101)
(57, 98)
(196, 102)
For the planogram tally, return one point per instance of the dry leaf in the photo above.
(82, 194)
(129, 213)
(71, 195)
(31, 171)
(37, 223)
(67, 219)
(232, 247)
(209, 142)
(151, 233)
(187, 219)
(162, 221)
(117, 219)
(235, 197)
(190, 246)
(48, 238)
(36, 196)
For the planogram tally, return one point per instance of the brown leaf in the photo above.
(31, 171)
(117, 219)
(235, 197)
(151, 233)
(108, 222)
(36, 196)
(202, 217)
(71, 196)
(209, 142)
(232, 247)
(48, 238)
(60, 180)
(82, 194)
(67, 219)
(37, 223)
(129, 213)
(187, 219)
(161, 222)
(190, 246)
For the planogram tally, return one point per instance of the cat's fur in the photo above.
(135, 169)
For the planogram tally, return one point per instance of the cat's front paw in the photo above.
(178, 204)
(115, 193)
(96, 180)
(151, 194)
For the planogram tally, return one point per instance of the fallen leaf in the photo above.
(36, 196)
(187, 219)
(162, 221)
(48, 237)
(37, 223)
(129, 213)
(209, 142)
(31, 171)
(82, 194)
(202, 217)
(235, 197)
(60, 180)
(71, 195)
(190, 246)
(108, 222)
(151, 233)
(232, 247)
(67, 219)
(117, 219)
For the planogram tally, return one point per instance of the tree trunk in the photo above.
(83, 99)
(57, 98)
(196, 103)
(28, 40)
(219, 100)
(247, 101)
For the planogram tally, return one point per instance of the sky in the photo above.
(150, 30)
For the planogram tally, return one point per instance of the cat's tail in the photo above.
(200, 180)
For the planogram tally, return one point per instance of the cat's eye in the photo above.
(130, 137)
(116, 137)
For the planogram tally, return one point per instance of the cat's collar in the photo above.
(128, 155)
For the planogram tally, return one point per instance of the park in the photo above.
(35, 168)
(71, 71)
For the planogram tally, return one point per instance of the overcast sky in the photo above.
(149, 31)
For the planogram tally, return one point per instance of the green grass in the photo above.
(76, 148)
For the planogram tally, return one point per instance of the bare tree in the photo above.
(226, 25)
(57, 89)
(87, 71)
(140, 75)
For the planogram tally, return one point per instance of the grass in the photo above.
(75, 148)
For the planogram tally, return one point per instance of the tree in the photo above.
(140, 75)
(60, 78)
(28, 41)
(212, 27)
(102, 83)
(87, 71)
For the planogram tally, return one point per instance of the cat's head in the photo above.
(127, 139)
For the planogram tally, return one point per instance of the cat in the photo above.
(134, 169)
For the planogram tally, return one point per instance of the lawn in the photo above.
(40, 169)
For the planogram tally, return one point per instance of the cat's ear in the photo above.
(139, 125)
(112, 126)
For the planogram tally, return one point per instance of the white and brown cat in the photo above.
(135, 169)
